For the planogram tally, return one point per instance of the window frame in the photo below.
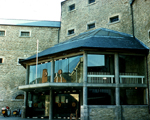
(91, 1)
(2, 59)
(91, 24)
(4, 33)
(70, 7)
(70, 30)
(25, 31)
(111, 17)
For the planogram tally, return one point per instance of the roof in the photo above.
(35, 23)
(99, 38)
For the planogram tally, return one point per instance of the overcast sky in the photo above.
(31, 9)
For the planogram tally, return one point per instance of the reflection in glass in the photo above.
(69, 69)
(100, 68)
(43, 73)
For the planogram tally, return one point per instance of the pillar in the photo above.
(23, 114)
(84, 108)
(52, 70)
(118, 107)
(51, 105)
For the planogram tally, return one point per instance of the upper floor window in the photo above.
(2, 32)
(70, 32)
(25, 34)
(1, 60)
(90, 26)
(114, 19)
(91, 1)
(71, 7)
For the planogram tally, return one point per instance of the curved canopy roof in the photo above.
(99, 38)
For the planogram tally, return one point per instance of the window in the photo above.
(1, 60)
(25, 34)
(70, 32)
(132, 96)
(20, 97)
(101, 96)
(69, 69)
(91, 1)
(90, 26)
(71, 7)
(114, 19)
(2, 33)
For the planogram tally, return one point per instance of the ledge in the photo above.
(1, 100)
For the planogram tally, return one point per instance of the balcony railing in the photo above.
(100, 77)
(131, 78)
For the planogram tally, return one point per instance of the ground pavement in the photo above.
(19, 118)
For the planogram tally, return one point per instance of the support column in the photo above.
(84, 108)
(118, 107)
(51, 105)
(23, 114)
(52, 70)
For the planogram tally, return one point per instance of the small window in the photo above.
(91, 1)
(20, 97)
(25, 34)
(70, 32)
(2, 33)
(71, 7)
(1, 60)
(90, 26)
(114, 19)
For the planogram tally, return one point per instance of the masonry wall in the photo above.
(98, 13)
(12, 47)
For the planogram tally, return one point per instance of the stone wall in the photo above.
(12, 47)
(128, 112)
(139, 112)
(98, 12)
(101, 112)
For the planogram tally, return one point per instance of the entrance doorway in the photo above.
(65, 103)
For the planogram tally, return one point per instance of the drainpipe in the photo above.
(58, 33)
(131, 6)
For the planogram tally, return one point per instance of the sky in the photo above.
(31, 9)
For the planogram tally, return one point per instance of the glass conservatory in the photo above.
(93, 70)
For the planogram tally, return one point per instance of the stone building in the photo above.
(18, 40)
(100, 67)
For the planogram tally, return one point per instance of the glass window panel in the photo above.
(101, 96)
(69, 69)
(40, 71)
(100, 65)
(26, 34)
(132, 96)
(130, 65)
(2, 33)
